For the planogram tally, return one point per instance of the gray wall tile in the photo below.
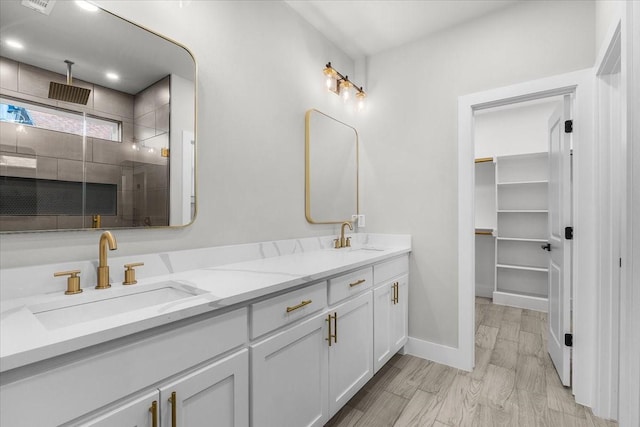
(18, 223)
(8, 137)
(8, 74)
(113, 102)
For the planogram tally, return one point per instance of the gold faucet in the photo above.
(103, 269)
(343, 242)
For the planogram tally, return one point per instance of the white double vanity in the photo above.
(268, 334)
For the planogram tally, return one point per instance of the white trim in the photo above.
(580, 83)
(521, 301)
(629, 402)
(438, 353)
(610, 103)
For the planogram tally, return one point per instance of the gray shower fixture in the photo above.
(68, 92)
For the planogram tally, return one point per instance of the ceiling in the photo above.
(96, 42)
(364, 28)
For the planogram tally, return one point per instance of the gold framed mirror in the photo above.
(331, 169)
(123, 154)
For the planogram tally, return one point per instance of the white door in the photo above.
(400, 316)
(350, 355)
(217, 394)
(382, 301)
(289, 377)
(559, 247)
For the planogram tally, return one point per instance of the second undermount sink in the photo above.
(109, 302)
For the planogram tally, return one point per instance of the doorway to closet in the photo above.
(522, 202)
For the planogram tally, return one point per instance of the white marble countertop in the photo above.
(24, 339)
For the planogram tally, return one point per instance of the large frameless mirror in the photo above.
(97, 121)
(331, 162)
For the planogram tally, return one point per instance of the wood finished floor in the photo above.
(513, 384)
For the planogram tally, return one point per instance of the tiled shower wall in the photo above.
(59, 155)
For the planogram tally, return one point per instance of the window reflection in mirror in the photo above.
(331, 169)
(126, 158)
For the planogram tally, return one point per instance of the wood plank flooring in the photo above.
(514, 383)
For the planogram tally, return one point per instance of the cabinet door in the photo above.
(351, 355)
(400, 315)
(289, 377)
(217, 394)
(382, 324)
(138, 412)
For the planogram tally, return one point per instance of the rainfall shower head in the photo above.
(68, 92)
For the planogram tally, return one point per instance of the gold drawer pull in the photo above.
(154, 413)
(295, 307)
(356, 283)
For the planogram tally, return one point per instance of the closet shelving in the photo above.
(520, 212)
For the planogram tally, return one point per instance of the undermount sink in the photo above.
(361, 248)
(110, 302)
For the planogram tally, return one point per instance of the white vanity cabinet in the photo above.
(289, 376)
(390, 320)
(350, 361)
(216, 394)
(219, 392)
(89, 382)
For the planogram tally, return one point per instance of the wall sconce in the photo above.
(342, 86)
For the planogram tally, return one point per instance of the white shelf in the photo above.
(523, 267)
(524, 183)
(523, 211)
(520, 239)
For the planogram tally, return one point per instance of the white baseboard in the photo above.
(521, 301)
(438, 353)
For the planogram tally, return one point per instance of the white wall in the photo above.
(515, 129)
(409, 139)
(259, 69)
(606, 13)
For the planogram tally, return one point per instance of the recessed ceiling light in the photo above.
(15, 44)
(87, 6)
(112, 76)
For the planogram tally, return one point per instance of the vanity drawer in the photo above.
(389, 269)
(279, 311)
(349, 284)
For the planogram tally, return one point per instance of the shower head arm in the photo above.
(69, 75)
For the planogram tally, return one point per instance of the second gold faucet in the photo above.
(343, 242)
(106, 238)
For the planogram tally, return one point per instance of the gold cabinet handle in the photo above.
(73, 282)
(333, 333)
(297, 306)
(335, 327)
(130, 273)
(356, 283)
(173, 400)
(394, 298)
(154, 413)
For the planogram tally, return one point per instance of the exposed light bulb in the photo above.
(330, 74)
(360, 96)
(345, 87)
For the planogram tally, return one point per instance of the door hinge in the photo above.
(568, 126)
(620, 262)
(568, 233)
(568, 340)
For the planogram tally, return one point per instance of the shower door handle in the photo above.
(546, 247)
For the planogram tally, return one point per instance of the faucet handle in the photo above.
(73, 281)
(336, 243)
(130, 273)
(348, 244)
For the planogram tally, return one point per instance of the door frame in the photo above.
(580, 85)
